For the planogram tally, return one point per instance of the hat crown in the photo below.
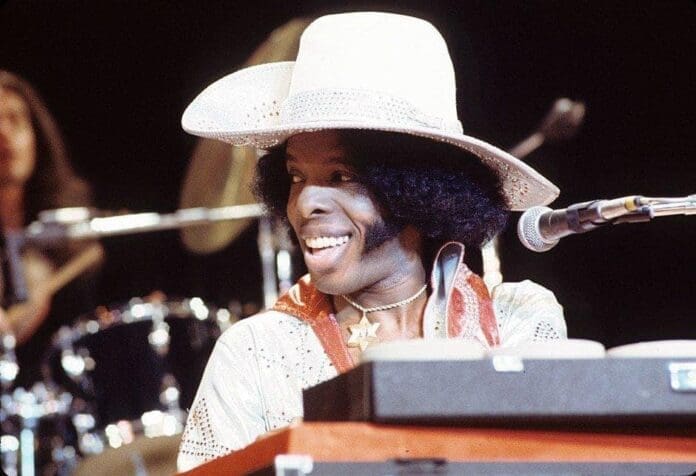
(362, 71)
(382, 55)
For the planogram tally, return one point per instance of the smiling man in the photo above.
(368, 165)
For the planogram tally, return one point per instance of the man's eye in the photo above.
(294, 177)
(343, 177)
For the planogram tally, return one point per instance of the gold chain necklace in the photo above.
(364, 333)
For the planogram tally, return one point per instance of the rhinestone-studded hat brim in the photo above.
(251, 108)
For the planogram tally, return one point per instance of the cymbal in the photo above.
(220, 174)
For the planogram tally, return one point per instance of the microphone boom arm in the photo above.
(660, 207)
(540, 228)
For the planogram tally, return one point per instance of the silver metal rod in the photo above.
(268, 257)
(48, 233)
(667, 209)
(26, 451)
(689, 199)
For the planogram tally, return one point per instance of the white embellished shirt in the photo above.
(255, 376)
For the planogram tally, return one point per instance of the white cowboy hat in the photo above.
(364, 70)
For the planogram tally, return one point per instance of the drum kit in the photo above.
(99, 409)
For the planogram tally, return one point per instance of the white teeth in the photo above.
(320, 242)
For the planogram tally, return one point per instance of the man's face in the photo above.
(346, 243)
(17, 139)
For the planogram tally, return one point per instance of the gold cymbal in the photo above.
(220, 174)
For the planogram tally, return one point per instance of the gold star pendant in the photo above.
(363, 333)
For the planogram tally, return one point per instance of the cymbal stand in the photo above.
(284, 252)
(268, 258)
(9, 369)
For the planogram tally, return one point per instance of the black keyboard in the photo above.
(580, 393)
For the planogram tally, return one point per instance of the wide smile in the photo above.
(322, 242)
(324, 253)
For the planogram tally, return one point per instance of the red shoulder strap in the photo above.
(305, 302)
(470, 307)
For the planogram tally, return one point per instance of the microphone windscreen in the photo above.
(528, 230)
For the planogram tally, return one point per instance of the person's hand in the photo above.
(5, 327)
(24, 318)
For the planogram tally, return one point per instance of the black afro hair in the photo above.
(442, 190)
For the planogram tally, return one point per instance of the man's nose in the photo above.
(5, 132)
(314, 200)
(4, 127)
(7, 128)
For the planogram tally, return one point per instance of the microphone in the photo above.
(540, 228)
(562, 122)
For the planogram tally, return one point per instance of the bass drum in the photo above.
(132, 369)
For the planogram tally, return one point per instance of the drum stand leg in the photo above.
(170, 421)
(26, 447)
(9, 369)
(9, 461)
(9, 447)
(275, 249)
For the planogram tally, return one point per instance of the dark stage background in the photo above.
(118, 74)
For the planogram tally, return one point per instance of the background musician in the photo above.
(36, 175)
(382, 217)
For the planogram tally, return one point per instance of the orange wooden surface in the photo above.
(365, 442)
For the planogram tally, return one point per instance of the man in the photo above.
(368, 165)
(36, 175)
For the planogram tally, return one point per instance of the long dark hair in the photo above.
(54, 183)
